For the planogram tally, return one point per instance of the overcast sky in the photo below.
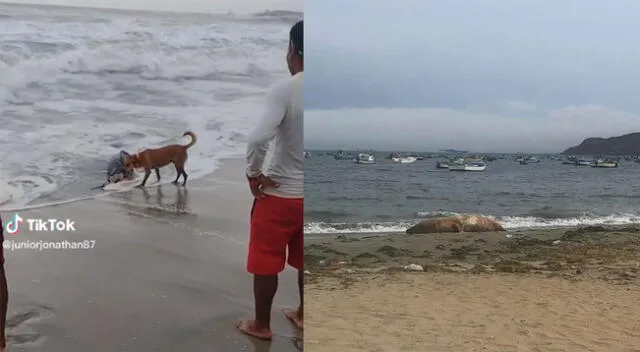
(211, 6)
(486, 75)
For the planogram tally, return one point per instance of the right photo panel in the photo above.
(470, 176)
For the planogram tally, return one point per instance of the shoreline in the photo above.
(167, 273)
(336, 230)
(317, 235)
(551, 251)
(220, 163)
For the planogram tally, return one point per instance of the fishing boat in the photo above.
(604, 163)
(524, 160)
(364, 158)
(404, 159)
(583, 162)
(442, 165)
(468, 166)
(342, 155)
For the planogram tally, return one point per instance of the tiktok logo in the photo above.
(13, 226)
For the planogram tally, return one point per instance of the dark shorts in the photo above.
(276, 235)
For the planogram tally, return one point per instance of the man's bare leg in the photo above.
(296, 316)
(264, 290)
(4, 300)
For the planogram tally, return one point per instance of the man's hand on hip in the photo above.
(258, 183)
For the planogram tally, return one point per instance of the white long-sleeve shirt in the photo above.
(282, 121)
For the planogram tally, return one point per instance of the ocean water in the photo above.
(78, 85)
(342, 197)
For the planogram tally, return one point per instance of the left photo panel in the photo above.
(148, 150)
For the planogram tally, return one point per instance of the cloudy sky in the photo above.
(214, 6)
(485, 75)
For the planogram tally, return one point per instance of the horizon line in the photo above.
(440, 151)
(31, 4)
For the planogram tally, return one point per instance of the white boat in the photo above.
(468, 166)
(528, 160)
(404, 159)
(604, 163)
(442, 165)
(584, 162)
(364, 158)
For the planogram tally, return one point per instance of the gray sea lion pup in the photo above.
(116, 170)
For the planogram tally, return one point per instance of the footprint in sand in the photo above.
(20, 331)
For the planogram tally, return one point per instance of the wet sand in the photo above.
(537, 290)
(166, 274)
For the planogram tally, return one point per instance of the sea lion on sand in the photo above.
(461, 223)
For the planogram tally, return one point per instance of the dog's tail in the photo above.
(193, 139)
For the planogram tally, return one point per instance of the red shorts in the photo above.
(276, 227)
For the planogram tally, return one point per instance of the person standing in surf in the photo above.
(277, 212)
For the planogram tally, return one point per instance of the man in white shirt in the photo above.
(277, 213)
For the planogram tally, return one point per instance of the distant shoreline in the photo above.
(141, 11)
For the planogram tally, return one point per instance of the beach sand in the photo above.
(536, 290)
(167, 273)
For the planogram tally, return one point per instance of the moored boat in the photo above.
(404, 159)
(342, 155)
(364, 158)
(468, 166)
(604, 163)
(583, 162)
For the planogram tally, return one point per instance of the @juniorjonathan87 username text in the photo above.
(12, 245)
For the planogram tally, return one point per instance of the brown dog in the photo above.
(149, 159)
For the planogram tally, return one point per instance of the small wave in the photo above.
(532, 222)
(358, 199)
(417, 197)
(361, 227)
(19, 191)
(615, 196)
(508, 222)
(526, 195)
(549, 212)
(326, 214)
(435, 214)
(425, 197)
